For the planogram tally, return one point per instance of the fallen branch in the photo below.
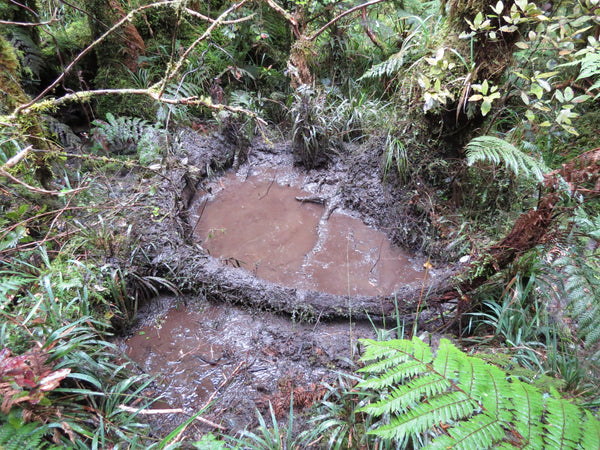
(344, 14)
(151, 411)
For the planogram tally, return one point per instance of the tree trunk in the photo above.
(124, 46)
(11, 96)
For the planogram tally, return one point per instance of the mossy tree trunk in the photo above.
(12, 96)
(121, 49)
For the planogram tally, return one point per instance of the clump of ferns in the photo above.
(576, 262)
(127, 136)
(444, 398)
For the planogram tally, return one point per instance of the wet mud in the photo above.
(283, 271)
(249, 360)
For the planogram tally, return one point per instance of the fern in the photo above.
(579, 270)
(497, 151)
(127, 135)
(461, 402)
(16, 435)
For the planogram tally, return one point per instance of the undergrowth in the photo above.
(452, 400)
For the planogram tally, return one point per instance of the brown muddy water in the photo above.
(249, 359)
(258, 224)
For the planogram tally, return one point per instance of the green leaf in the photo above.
(460, 402)
(486, 106)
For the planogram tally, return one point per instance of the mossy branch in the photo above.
(154, 91)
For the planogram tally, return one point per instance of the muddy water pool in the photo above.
(251, 359)
(257, 223)
(199, 351)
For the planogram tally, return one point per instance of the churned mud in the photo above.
(241, 360)
(283, 271)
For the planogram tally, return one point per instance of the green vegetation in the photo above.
(482, 116)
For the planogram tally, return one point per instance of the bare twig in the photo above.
(171, 72)
(14, 160)
(29, 24)
(286, 15)
(151, 411)
(191, 12)
(4, 173)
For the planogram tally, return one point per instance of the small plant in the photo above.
(337, 423)
(271, 438)
(127, 135)
(310, 132)
(395, 154)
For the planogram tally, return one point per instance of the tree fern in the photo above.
(498, 151)
(461, 402)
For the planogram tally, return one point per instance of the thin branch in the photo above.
(177, 66)
(345, 13)
(14, 160)
(286, 15)
(151, 411)
(29, 24)
(191, 12)
(195, 100)
(4, 173)
(85, 51)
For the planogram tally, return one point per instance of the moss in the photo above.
(11, 94)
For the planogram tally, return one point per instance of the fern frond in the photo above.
(22, 436)
(388, 68)
(494, 150)
(465, 403)
(32, 60)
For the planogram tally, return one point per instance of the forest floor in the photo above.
(239, 339)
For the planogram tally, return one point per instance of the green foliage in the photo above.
(579, 269)
(452, 400)
(126, 135)
(277, 437)
(15, 434)
(78, 383)
(310, 132)
(395, 152)
(336, 418)
(494, 150)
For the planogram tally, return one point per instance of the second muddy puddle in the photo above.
(262, 224)
(240, 360)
